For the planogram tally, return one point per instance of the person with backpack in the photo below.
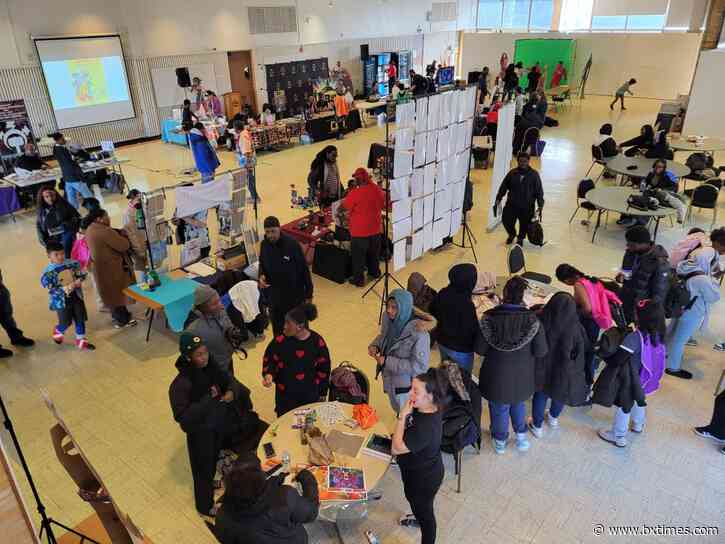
(696, 273)
(632, 373)
(524, 189)
(695, 239)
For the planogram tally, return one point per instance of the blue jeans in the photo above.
(72, 188)
(464, 360)
(678, 333)
(500, 414)
(68, 238)
(538, 407)
(80, 328)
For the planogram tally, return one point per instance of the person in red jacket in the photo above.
(392, 75)
(365, 204)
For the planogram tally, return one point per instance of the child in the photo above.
(63, 280)
(619, 94)
(633, 372)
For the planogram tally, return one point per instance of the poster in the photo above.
(15, 129)
(290, 84)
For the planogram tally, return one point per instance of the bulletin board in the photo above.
(547, 52)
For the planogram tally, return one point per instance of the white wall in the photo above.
(706, 112)
(663, 64)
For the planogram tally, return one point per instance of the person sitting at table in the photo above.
(204, 155)
(215, 411)
(297, 363)
(605, 142)
(57, 220)
(260, 510)
(660, 148)
(213, 104)
(30, 159)
(324, 178)
(640, 144)
(664, 184)
(71, 171)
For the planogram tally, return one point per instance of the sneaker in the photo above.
(608, 436)
(84, 345)
(684, 374)
(639, 429)
(57, 336)
(552, 421)
(538, 432)
(409, 520)
(691, 342)
(5, 353)
(509, 240)
(23, 342)
(117, 325)
(702, 432)
(499, 446)
(719, 347)
(522, 442)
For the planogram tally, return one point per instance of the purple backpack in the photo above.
(653, 365)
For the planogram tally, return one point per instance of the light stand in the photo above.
(466, 229)
(386, 276)
(46, 523)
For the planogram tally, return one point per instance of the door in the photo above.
(241, 72)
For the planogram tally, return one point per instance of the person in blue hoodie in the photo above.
(204, 155)
(63, 279)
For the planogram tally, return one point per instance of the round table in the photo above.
(708, 145)
(643, 166)
(614, 199)
(286, 439)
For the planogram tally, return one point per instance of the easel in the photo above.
(466, 229)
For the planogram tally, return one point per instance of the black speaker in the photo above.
(364, 52)
(182, 77)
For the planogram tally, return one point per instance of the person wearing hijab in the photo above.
(561, 374)
(423, 294)
(704, 290)
(457, 331)
(324, 177)
(402, 349)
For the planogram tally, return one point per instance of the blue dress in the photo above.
(204, 156)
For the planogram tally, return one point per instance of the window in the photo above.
(645, 22)
(609, 22)
(516, 14)
(613, 15)
(576, 14)
(523, 15)
(489, 14)
(542, 12)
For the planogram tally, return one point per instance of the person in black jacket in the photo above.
(57, 220)
(215, 411)
(71, 171)
(512, 339)
(606, 143)
(640, 144)
(257, 510)
(283, 272)
(645, 271)
(458, 329)
(524, 189)
(30, 159)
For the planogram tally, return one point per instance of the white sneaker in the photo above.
(552, 421)
(538, 432)
(608, 436)
(522, 442)
(499, 446)
(637, 428)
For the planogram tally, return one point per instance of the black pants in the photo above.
(509, 217)
(365, 253)
(421, 487)
(6, 315)
(121, 315)
(717, 424)
(619, 97)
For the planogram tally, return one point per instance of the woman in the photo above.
(136, 235)
(417, 444)
(605, 142)
(665, 185)
(511, 342)
(558, 75)
(640, 144)
(457, 331)
(423, 294)
(715, 431)
(258, 510)
(704, 290)
(297, 362)
(213, 104)
(57, 220)
(204, 156)
(561, 375)
(112, 269)
(402, 349)
(324, 177)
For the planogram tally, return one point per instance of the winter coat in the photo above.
(649, 279)
(212, 329)
(512, 338)
(287, 273)
(524, 189)
(112, 268)
(561, 373)
(53, 220)
(276, 517)
(455, 312)
(619, 384)
(204, 156)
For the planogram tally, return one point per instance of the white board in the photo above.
(167, 91)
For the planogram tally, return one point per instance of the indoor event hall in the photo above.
(362, 271)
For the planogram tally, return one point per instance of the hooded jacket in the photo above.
(275, 517)
(512, 338)
(650, 276)
(524, 189)
(455, 312)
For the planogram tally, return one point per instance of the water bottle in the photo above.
(642, 186)
(294, 196)
(285, 462)
(140, 223)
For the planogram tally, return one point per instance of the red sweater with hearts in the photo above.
(300, 368)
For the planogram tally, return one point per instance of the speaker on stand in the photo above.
(364, 52)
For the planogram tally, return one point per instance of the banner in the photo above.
(290, 84)
(502, 159)
(15, 130)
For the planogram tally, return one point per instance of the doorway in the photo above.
(241, 74)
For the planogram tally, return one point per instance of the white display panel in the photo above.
(86, 80)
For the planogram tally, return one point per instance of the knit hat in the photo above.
(362, 175)
(203, 294)
(188, 343)
(639, 234)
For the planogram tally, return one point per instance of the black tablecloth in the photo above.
(320, 128)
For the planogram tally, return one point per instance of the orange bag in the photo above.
(364, 415)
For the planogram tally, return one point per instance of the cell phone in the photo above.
(269, 450)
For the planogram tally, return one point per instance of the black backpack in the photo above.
(536, 233)
(699, 161)
(678, 298)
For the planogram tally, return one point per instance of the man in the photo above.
(30, 159)
(188, 117)
(645, 271)
(71, 171)
(365, 204)
(8, 323)
(418, 84)
(212, 325)
(525, 191)
(392, 75)
(283, 273)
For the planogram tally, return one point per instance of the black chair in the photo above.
(517, 263)
(715, 182)
(705, 197)
(362, 380)
(584, 187)
(597, 158)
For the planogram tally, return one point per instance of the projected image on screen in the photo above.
(86, 79)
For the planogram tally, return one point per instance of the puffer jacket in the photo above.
(619, 383)
(650, 276)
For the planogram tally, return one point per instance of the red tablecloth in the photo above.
(309, 237)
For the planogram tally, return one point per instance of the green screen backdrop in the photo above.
(547, 53)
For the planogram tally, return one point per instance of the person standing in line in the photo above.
(57, 220)
(525, 191)
(561, 375)
(212, 325)
(246, 156)
(204, 156)
(365, 204)
(416, 442)
(619, 93)
(512, 339)
(283, 272)
(136, 235)
(17, 338)
(392, 75)
(71, 171)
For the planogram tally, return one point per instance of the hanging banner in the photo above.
(15, 130)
